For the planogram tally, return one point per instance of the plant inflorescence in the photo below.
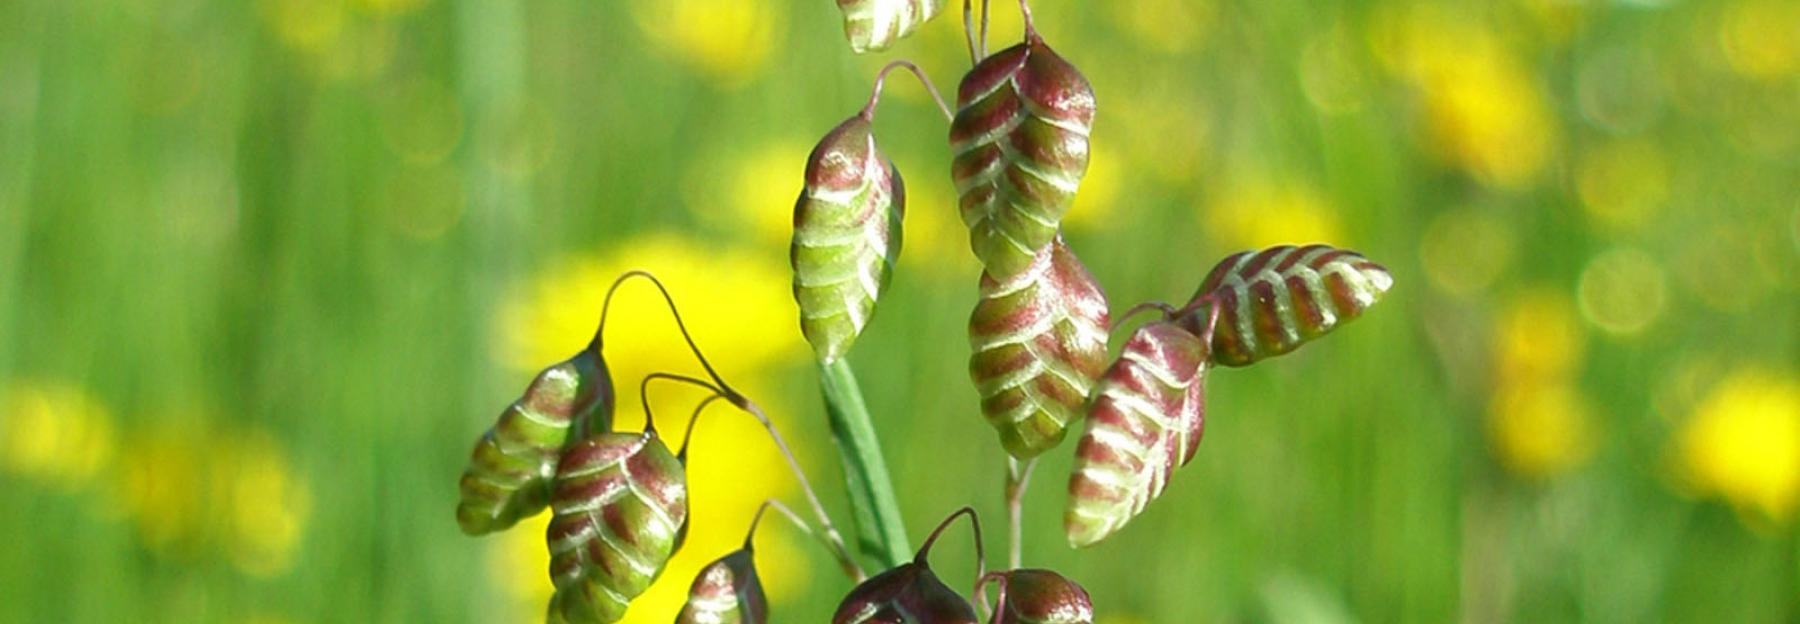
(1039, 361)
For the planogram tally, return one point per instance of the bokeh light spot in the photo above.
(1622, 291)
(1464, 250)
(1743, 444)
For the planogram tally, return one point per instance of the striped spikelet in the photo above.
(727, 591)
(1032, 596)
(1272, 301)
(1146, 419)
(1020, 141)
(619, 500)
(509, 472)
(1039, 341)
(846, 236)
(873, 25)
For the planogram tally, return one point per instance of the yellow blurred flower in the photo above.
(1537, 337)
(163, 487)
(1539, 423)
(728, 40)
(1484, 111)
(187, 488)
(1761, 38)
(1742, 444)
(1540, 430)
(1266, 211)
(1623, 184)
(54, 432)
(265, 501)
(1464, 250)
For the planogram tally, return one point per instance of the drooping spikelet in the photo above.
(1034, 596)
(1273, 301)
(620, 498)
(1039, 342)
(509, 472)
(727, 591)
(1146, 419)
(908, 594)
(873, 25)
(846, 236)
(1020, 141)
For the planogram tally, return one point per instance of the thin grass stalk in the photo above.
(881, 533)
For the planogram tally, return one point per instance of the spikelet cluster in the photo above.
(874, 25)
(1274, 300)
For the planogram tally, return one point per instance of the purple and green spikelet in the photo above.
(1146, 419)
(619, 498)
(846, 236)
(873, 25)
(727, 591)
(509, 472)
(1274, 300)
(1020, 141)
(1039, 342)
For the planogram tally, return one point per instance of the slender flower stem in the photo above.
(1018, 478)
(827, 531)
(881, 533)
(868, 110)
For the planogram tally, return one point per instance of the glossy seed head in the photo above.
(1020, 141)
(873, 25)
(1043, 597)
(727, 591)
(509, 472)
(846, 236)
(1146, 419)
(1039, 342)
(1274, 300)
(619, 499)
(908, 594)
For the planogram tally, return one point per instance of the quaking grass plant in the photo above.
(1039, 360)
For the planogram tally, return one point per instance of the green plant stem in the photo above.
(881, 534)
(1018, 477)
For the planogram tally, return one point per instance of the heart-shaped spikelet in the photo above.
(846, 236)
(1020, 141)
(727, 591)
(509, 472)
(1039, 342)
(873, 25)
(1146, 419)
(1274, 300)
(1033, 596)
(620, 499)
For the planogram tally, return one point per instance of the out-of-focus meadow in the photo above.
(267, 269)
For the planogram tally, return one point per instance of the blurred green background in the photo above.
(268, 268)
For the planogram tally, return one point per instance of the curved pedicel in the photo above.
(911, 593)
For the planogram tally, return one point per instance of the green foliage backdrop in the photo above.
(268, 268)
